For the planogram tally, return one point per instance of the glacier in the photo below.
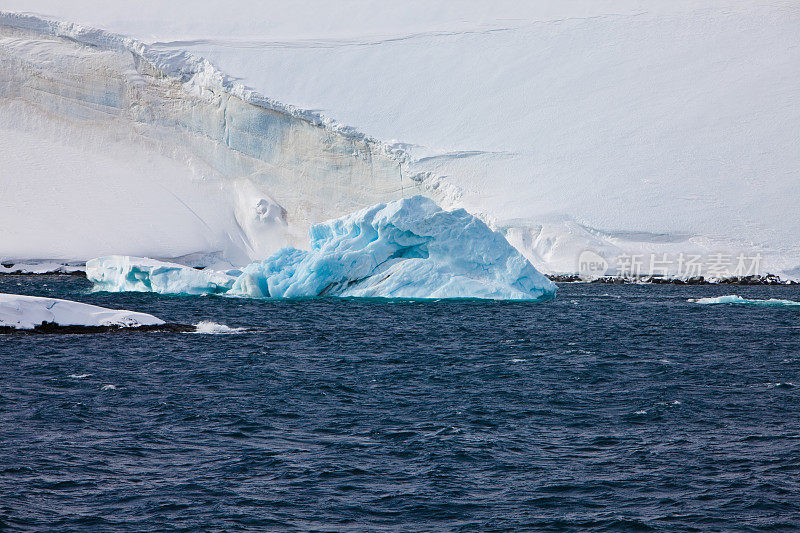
(409, 248)
(574, 126)
(125, 274)
(28, 312)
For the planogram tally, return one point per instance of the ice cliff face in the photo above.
(111, 147)
(408, 248)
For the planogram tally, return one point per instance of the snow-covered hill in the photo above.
(617, 127)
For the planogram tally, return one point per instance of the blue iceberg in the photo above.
(409, 248)
(119, 273)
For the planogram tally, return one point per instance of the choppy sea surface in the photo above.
(612, 407)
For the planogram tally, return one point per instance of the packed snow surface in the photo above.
(734, 299)
(27, 312)
(122, 274)
(620, 127)
(408, 248)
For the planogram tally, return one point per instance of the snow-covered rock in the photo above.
(28, 312)
(409, 248)
(117, 273)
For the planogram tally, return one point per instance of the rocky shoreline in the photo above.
(52, 328)
(769, 279)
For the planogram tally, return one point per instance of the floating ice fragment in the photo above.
(734, 299)
(118, 273)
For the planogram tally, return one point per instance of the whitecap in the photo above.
(781, 385)
(108, 387)
(79, 376)
(207, 327)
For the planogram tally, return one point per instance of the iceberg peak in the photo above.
(409, 248)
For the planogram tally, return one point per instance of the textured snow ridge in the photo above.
(28, 312)
(173, 156)
(409, 248)
(734, 299)
(125, 274)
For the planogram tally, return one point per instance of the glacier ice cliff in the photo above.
(172, 155)
(409, 248)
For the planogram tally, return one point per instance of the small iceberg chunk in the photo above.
(734, 299)
(119, 273)
(31, 312)
(409, 248)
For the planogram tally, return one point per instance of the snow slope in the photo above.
(619, 127)
(27, 312)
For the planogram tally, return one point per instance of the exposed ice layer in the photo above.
(734, 299)
(27, 312)
(117, 273)
(409, 248)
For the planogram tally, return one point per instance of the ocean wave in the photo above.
(207, 327)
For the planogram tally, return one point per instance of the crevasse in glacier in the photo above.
(409, 248)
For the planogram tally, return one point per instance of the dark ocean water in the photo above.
(609, 408)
